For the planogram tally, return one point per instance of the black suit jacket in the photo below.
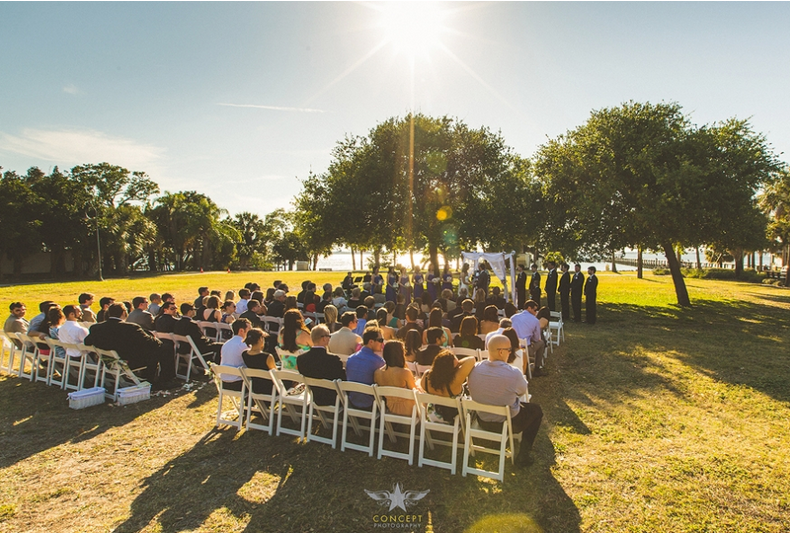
(551, 281)
(130, 340)
(521, 280)
(253, 318)
(165, 323)
(577, 283)
(276, 309)
(187, 327)
(565, 283)
(591, 287)
(426, 355)
(320, 364)
(534, 282)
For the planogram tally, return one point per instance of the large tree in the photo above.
(419, 179)
(776, 202)
(642, 175)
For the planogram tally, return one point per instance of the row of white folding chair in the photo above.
(557, 327)
(214, 330)
(8, 352)
(272, 324)
(317, 318)
(304, 412)
(187, 359)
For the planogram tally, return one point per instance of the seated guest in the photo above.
(232, 353)
(43, 308)
(16, 323)
(395, 374)
(434, 339)
(370, 304)
(344, 341)
(165, 322)
(211, 313)
(490, 321)
(462, 311)
(134, 345)
(516, 358)
(446, 378)
(43, 328)
(326, 300)
(503, 323)
(339, 300)
(86, 301)
(348, 283)
(448, 302)
(277, 307)
(230, 295)
(203, 292)
(251, 314)
(411, 323)
(56, 318)
(293, 338)
(496, 298)
(255, 357)
(413, 344)
(527, 326)
(105, 304)
(318, 363)
(72, 332)
(480, 303)
(330, 318)
(467, 338)
(267, 301)
(301, 294)
(327, 295)
(228, 312)
(244, 298)
(187, 327)
(156, 303)
(140, 314)
(167, 297)
(435, 321)
(362, 365)
(355, 301)
(290, 303)
(381, 319)
(494, 382)
(362, 319)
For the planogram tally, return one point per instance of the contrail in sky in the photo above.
(277, 108)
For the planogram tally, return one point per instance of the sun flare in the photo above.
(412, 27)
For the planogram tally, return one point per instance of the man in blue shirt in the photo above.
(361, 365)
(527, 326)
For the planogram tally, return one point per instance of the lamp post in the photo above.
(98, 239)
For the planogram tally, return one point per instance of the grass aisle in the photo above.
(656, 419)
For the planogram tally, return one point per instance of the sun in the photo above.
(412, 27)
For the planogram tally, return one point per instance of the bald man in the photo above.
(495, 382)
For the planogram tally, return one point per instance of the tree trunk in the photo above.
(411, 257)
(353, 259)
(699, 263)
(434, 253)
(761, 260)
(376, 257)
(152, 261)
(639, 265)
(361, 259)
(738, 255)
(677, 277)
(614, 265)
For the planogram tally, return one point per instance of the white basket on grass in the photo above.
(86, 397)
(134, 394)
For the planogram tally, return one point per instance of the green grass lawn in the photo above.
(656, 419)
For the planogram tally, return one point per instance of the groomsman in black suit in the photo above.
(521, 286)
(565, 291)
(534, 285)
(551, 286)
(577, 287)
(591, 295)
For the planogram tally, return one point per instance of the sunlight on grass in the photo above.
(505, 523)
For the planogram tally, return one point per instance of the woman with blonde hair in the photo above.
(330, 318)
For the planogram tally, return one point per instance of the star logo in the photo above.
(397, 498)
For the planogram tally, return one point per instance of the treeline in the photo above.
(138, 228)
(638, 175)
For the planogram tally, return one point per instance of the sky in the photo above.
(240, 101)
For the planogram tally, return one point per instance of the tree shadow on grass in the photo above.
(737, 342)
(34, 418)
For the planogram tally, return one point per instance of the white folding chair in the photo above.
(57, 358)
(464, 352)
(294, 400)
(117, 370)
(272, 324)
(530, 363)
(431, 423)
(224, 331)
(482, 355)
(9, 347)
(411, 365)
(355, 414)
(473, 431)
(28, 352)
(557, 327)
(422, 369)
(322, 412)
(258, 402)
(209, 329)
(387, 419)
(236, 397)
(90, 361)
(187, 358)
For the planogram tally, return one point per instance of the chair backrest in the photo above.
(556, 316)
(421, 369)
(272, 324)
(220, 371)
(464, 352)
(469, 406)
(256, 373)
(321, 383)
(345, 387)
(162, 336)
(424, 398)
(281, 376)
(384, 392)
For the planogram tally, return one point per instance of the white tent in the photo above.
(499, 263)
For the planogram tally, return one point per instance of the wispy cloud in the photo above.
(71, 89)
(68, 147)
(277, 108)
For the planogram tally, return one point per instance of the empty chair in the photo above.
(431, 423)
(186, 353)
(557, 327)
(388, 419)
(259, 402)
(356, 415)
(322, 412)
(236, 397)
(476, 436)
(292, 400)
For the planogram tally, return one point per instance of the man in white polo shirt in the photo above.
(71, 332)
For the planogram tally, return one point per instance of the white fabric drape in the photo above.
(498, 265)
